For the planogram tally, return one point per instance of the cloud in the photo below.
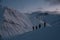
(53, 2)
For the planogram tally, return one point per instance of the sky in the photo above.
(32, 5)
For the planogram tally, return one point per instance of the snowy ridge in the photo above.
(51, 19)
(38, 18)
(14, 23)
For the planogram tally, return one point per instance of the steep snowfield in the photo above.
(39, 18)
(52, 33)
(47, 33)
(13, 23)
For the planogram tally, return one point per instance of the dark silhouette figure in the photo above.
(33, 27)
(39, 25)
(36, 27)
(44, 24)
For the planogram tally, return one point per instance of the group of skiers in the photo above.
(36, 27)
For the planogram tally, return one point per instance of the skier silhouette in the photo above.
(33, 27)
(36, 27)
(39, 25)
(44, 24)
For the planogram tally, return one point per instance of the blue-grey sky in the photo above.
(32, 5)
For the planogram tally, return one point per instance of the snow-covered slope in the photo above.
(52, 33)
(13, 22)
(49, 17)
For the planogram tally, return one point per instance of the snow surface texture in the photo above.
(48, 33)
(50, 18)
(13, 23)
